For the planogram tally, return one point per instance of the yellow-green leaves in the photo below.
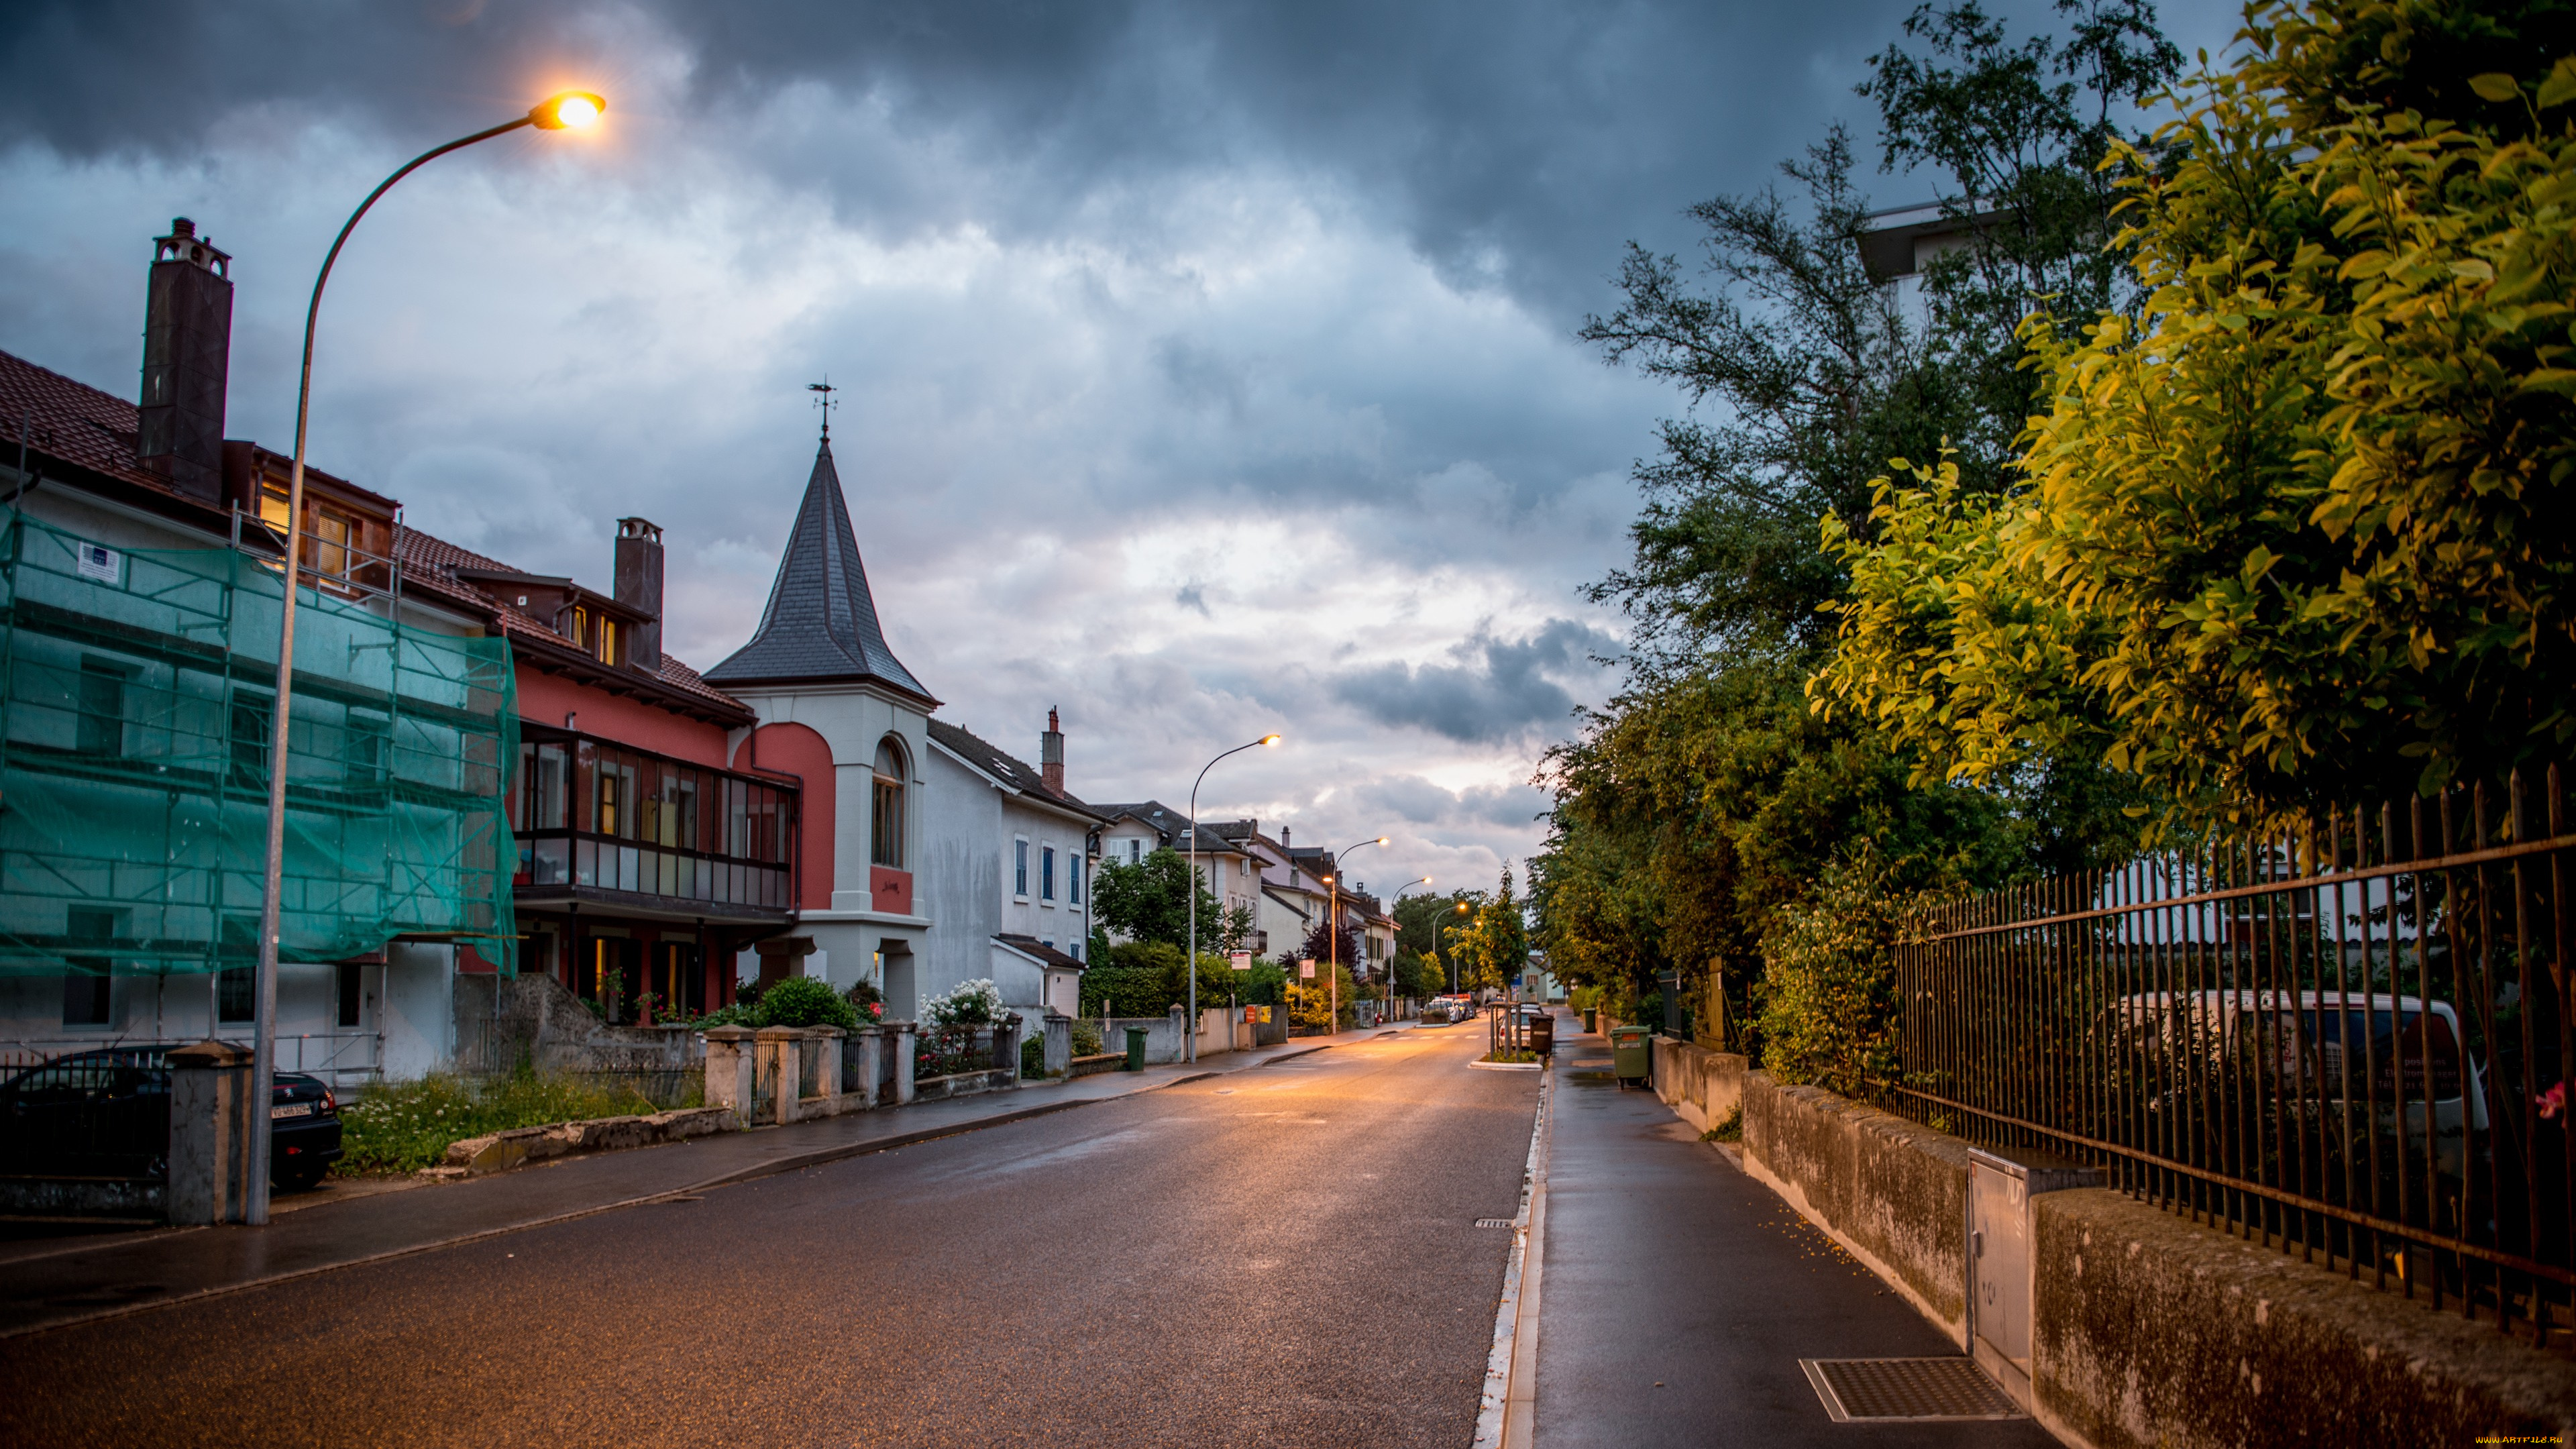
(2300, 530)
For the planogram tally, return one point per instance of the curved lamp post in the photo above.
(1398, 949)
(1442, 934)
(1190, 1033)
(570, 111)
(1333, 924)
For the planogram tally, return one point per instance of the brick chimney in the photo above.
(639, 585)
(187, 343)
(1051, 753)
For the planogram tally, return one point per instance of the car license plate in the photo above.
(292, 1109)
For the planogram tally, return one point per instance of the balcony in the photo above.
(647, 834)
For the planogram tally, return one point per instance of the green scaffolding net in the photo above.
(136, 698)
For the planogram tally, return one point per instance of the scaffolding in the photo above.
(136, 689)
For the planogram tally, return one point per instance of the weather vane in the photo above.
(825, 402)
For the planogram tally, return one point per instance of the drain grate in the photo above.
(1493, 1222)
(1906, 1390)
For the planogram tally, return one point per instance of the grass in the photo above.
(1729, 1130)
(1509, 1056)
(405, 1126)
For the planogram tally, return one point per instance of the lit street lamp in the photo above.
(1395, 950)
(569, 111)
(1190, 1034)
(1333, 926)
(1440, 934)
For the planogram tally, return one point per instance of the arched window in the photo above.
(886, 832)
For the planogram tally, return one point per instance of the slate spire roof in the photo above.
(821, 623)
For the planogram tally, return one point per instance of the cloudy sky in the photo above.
(1209, 367)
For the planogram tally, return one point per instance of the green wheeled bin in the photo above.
(1632, 1054)
(1135, 1048)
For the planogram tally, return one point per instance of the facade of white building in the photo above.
(1005, 856)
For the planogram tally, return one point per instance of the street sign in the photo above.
(1241, 960)
(1306, 967)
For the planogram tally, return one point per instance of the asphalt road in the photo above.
(1280, 1256)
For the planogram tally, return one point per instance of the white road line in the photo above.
(1504, 1417)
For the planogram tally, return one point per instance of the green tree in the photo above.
(2298, 533)
(1493, 950)
(1150, 900)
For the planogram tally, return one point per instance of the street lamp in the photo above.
(1333, 925)
(1391, 903)
(569, 111)
(1440, 934)
(1190, 1035)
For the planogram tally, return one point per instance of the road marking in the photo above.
(1511, 1368)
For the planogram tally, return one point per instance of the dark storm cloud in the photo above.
(1507, 687)
(1515, 144)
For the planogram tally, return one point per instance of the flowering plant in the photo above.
(969, 1003)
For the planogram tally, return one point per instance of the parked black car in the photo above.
(106, 1113)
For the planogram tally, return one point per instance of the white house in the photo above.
(1225, 866)
(1006, 871)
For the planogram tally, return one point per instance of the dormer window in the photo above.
(606, 650)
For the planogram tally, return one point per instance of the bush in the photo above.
(806, 1001)
(1829, 1001)
(1033, 1059)
(969, 1003)
(1086, 1039)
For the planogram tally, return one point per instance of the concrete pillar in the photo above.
(1006, 1048)
(211, 1119)
(1059, 1044)
(729, 1070)
(870, 1045)
(827, 1067)
(781, 1069)
(1183, 1048)
(899, 1036)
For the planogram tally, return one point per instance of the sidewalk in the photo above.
(1680, 1293)
(49, 1283)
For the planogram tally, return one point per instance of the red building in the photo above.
(645, 864)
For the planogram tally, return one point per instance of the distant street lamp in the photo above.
(1397, 949)
(1190, 1034)
(570, 111)
(1333, 926)
(1441, 934)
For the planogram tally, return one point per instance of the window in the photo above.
(365, 739)
(1135, 850)
(250, 740)
(885, 843)
(88, 990)
(327, 542)
(607, 650)
(1046, 875)
(233, 991)
(1020, 869)
(1074, 869)
(102, 709)
(581, 626)
(353, 991)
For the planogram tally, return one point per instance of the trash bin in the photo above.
(1135, 1048)
(1542, 1034)
(1632, 1053)
(1591, 1020)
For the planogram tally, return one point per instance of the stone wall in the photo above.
(505, 1021)
(2147, 1329)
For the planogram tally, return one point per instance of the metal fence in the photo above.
(344, 1058)
(2352, 1044)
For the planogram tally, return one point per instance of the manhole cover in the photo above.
(1906, 1390)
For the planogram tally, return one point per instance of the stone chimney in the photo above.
(1051, 753)
(639, 585)
(187, 344)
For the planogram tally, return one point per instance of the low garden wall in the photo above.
(2147, 1329)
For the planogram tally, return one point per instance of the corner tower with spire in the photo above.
(838, 710)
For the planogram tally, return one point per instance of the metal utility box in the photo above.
(2001, 1183)
(1632, 1053)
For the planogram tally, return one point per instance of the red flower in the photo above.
(2552, 1102)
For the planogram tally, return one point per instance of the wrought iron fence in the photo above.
(2352, 1044)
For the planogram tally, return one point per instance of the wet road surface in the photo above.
(1280, 1256)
